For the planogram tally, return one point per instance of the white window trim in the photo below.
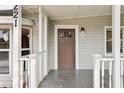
(105, 52)
(9, 50)
(30, 40)
(76, 43)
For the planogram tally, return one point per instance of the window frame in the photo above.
(7, 26)
(30, 40)
(105, 31)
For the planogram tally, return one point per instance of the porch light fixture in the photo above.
(82, 30)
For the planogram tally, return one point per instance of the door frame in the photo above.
(76, 43)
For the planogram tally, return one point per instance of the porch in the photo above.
(71, 79)
(68, 79)
(39, 32)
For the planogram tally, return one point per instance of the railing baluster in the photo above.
(26, 74)
(21, 73)
(38, 68)
(122, 73)
(102, 74)
(110, 74)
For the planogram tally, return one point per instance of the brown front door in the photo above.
(66, 48)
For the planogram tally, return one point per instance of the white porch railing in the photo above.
(100, 65)
(29, 70)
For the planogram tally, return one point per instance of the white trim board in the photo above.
(76, 43)
(9, 20)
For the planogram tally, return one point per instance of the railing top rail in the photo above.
(35, 55)
(26, 59)
(107, 58)
(30, 56)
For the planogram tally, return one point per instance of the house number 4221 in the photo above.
(15, 15)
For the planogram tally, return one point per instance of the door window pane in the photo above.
(66, 35)
(4, 62)
(4, 38)
(25, 38)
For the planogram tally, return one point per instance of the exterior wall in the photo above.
(89, 44)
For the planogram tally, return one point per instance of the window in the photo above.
(108, 40)
(25, 42)
(65, 35)
(5, 49)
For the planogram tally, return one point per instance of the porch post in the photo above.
(17, 16)
(45, 50)
(40, 41)
(116, 44)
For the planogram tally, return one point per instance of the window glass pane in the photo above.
(4, 62)
(109, 41)
(121, 35)
(121, 47)
(68, 35)
(25, 38)
(109, 35)
(25, 52)
(109, 46)
(62, 35)
(4, 38)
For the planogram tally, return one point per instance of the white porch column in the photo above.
(40, 41)
(116, 43)
(17, 16)
(45, 50)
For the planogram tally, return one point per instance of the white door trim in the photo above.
(76, 43)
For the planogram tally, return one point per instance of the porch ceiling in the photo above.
(64, 11)
(71, 11)
(74, 11)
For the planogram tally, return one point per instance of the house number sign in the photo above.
(15, 15)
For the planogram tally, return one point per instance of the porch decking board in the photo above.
(70, 79)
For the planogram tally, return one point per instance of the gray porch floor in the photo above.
(70, 79)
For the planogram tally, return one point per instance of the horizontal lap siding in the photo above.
(92, 42)
(51, 46)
